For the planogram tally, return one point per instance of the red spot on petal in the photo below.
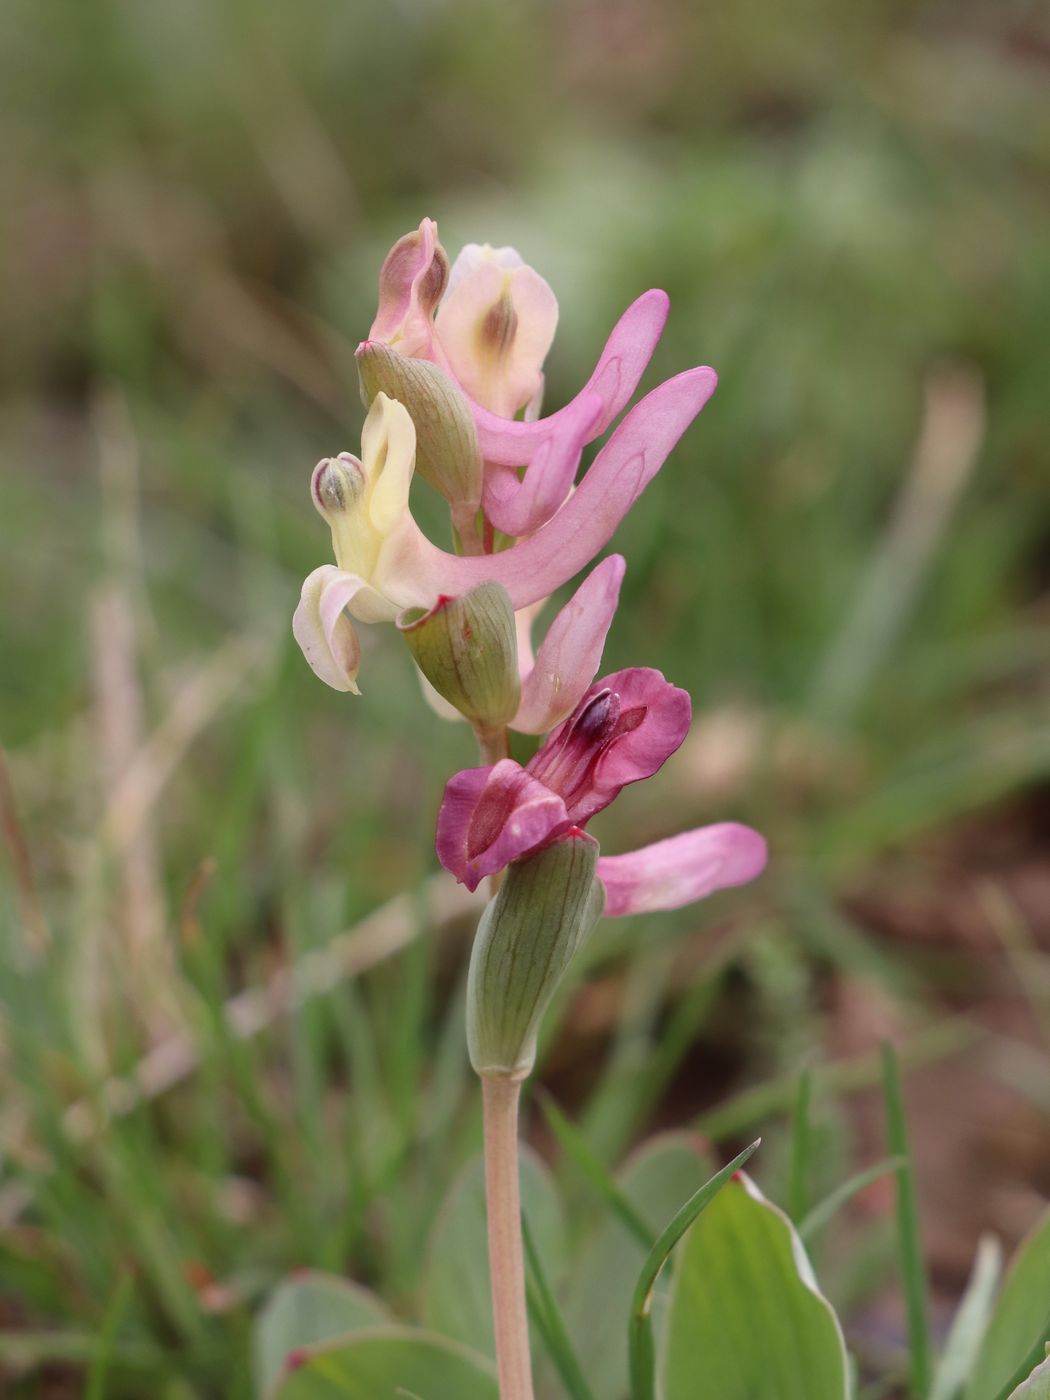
(295, 1359)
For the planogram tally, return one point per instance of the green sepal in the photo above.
(525, 941)
(447, 452)
(467, 649)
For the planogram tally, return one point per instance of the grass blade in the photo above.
(798, 1183)
(909, 1242)
(95, 1386)
(594, 1170)
(640, 1337)
(815, 1220)
(970, 1322)
(548, 1317)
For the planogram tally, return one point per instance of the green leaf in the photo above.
(1019, 1321)
(391, 1363)
(652, 1184)
(970, 1322)
(641, 1349)
(306, 1309)
(455, 1300)
(746, 1317)
(1037, 1386)
(909, 1240)
(833, 1202)
(594, 1171)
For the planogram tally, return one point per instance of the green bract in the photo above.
(526, 939)
(447, 451)
(466, 648)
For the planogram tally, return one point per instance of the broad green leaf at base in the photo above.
(389, 1364)
(746, 1320)
(305, 1309)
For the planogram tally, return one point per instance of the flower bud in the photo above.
(447, 451)
(467, 649)
(526, 939)
(411, 283)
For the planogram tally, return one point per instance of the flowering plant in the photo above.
(452, 375)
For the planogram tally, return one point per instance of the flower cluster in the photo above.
(452, 372)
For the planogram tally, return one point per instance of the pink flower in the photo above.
(621, 731)
(489, 324)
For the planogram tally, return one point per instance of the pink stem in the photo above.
(500, 1095)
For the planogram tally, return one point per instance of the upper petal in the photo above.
(571, 651)
(491, 816)
(671, 873)
(622, 363)
(496, 324)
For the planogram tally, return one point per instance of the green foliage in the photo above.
(746, 1317)
(389, 1365)
(306, 1309)
(1020, 1323)
(455, 1297)
(1037, 1386)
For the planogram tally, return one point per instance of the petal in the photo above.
(571, 651)
(411, 281)
(534, 567)
(495, 327)
(641, 751)
(471, 257)
(388, 450)
(323, 629)
(491, 816)
(616, 376)
(520, 507)
(681, 869)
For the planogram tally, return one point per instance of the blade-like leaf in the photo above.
(1018, 1324)
(547, 1314)
(640, 1346)
(388, 1364)
(653, 1181)
(970, 1322)
(593, 1170)
(746, 1319)
(909, 1240)
(306, 1309)
(1037, 1386)
(833, 1202)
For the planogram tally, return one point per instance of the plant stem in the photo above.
(500, 1095)
(493, 744)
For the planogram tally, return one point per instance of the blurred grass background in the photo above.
(847, 562)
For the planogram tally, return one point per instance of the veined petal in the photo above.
(520, 507)
(571, 651)
(681, 869)
(616, 376)
(323, 628)
(495, 326)
(491, 816)
(388, 450)
(622, 730)
(536, 566)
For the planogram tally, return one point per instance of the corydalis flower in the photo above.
(622, 731)
(491, 331)
(384, 563)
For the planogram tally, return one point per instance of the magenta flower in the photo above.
(621, 731)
